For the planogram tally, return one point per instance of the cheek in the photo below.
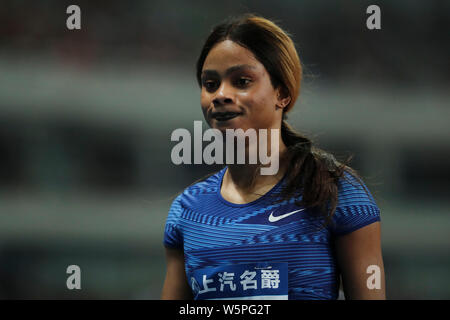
(263, 112)
(260, 105)
(205, 101)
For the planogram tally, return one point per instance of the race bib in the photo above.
(257, 281)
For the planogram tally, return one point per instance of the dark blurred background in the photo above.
(86, 115)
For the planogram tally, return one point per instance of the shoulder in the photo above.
(353, 191)
(356, 205)
(199, 191)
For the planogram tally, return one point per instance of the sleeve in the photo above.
(173, 237)
(356, 206)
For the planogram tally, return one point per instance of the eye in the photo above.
(243, 82)
(210, 84)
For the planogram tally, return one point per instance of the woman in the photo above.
(238, 234)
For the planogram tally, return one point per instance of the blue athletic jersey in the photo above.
(261, 250)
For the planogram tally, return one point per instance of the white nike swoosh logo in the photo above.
(277, 218)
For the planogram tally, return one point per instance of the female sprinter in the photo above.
(225, 236)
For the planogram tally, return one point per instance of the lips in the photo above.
(225, 116)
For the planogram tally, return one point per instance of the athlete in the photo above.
(294, 234)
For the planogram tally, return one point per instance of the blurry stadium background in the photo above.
(86, 116)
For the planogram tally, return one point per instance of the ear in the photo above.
(283, 97)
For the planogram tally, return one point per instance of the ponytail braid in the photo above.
(311, 173)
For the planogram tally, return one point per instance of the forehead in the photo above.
(227, 54)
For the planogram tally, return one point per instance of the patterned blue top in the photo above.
(247, 240)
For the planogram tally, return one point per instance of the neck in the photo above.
(247, 178)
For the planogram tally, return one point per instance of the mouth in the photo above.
(225, 116)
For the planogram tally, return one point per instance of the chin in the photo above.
(230, 124)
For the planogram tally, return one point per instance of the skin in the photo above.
(247, 90)
(355, 252)
(175, 284)
(234, 80)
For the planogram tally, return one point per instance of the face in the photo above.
(237, 92)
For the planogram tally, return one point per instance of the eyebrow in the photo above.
(229, 70)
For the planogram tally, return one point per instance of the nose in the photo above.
(223, 95)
